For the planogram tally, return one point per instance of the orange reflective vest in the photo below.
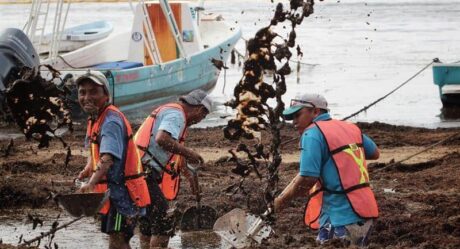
(345, 143)
(170, 182)
(133, 171)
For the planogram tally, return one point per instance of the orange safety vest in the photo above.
(170, 182)
(133, 171)
(345, 143)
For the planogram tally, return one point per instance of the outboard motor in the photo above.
(16, 51)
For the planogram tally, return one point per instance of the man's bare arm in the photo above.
(299, 186)
(105, 162)
(166, 142)
(375, 155)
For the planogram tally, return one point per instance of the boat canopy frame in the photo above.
(39, 16)
(151, 44)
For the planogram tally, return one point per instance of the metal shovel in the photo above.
(82, 204)
(199, 217)
(240, 229)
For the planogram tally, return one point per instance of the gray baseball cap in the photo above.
(305, 100)
(96, 77)
(198, 97)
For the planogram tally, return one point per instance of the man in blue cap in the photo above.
(333, 173)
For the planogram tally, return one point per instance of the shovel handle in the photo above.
(104, 199)
(258, 224)
(194, 172)
(59, 183)
(68, 183)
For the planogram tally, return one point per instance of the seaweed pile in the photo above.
(265, 50)
(39, 106)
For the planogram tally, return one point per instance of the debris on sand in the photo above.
(8, 149)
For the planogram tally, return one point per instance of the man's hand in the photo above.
(87, 188)
(105, 162)
(85, 173)
(192, 177)
(299, 186)
(195, 158)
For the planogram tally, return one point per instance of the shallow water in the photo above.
(360, 50)
(85, 233)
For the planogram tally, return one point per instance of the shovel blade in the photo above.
(81, 204)
(240, 229)
(196, 218)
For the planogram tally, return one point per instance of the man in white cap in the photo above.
(333, 173)
(160, 141)
(113, 162)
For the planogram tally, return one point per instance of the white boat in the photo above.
(170, 50)
(76, 37)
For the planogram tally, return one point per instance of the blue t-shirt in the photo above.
(316, 161)
(172, 121)
(113, 140)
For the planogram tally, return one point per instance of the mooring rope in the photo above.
(392, 91)
(379, 99)
(418, 152)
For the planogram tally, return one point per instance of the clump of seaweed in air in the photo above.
(38, 106)
(250, 96)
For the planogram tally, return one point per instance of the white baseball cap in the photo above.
(198, 97)
(96, 77)
(305, 100)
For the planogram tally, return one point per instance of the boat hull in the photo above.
(77, 37)
(140, 88)
(447, 78)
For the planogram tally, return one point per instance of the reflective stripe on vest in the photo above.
(344, 141)
(171, 180)
(133, 171)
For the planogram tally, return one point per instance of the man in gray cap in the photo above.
(333, 173)
(112, 159)
(160, 141)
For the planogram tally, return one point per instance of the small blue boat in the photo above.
(447, 77)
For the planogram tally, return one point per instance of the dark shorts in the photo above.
(115, 222)
(156, 221)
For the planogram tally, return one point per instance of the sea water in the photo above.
(85, 233)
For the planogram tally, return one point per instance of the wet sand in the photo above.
(418, 199)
